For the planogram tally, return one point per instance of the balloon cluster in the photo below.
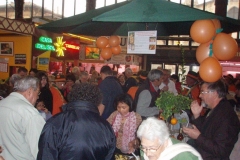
(213, 46)
(109, 46)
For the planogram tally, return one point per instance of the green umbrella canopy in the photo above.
(166, 17)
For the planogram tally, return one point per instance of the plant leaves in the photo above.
(170, 103)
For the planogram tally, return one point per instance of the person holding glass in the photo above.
(156, 144)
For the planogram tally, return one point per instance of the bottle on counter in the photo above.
(180, 135)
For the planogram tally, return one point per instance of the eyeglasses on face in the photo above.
(150, 149)
(205, 92)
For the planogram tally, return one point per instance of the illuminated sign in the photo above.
(72, 46)
(60, 46)
(45, 44)
(46, 47)
(45, 39)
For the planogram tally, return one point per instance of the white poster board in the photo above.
(142, 42)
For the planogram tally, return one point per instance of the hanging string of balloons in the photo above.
(109, 46)
(214, 46)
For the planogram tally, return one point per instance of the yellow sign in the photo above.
(43, 61)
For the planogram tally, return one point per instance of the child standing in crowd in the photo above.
(43, 110)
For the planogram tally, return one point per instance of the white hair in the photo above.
(14, 78)
(152, 129)
(25, 83)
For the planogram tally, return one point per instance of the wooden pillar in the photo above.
(221, 7)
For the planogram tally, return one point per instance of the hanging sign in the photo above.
(142, 42)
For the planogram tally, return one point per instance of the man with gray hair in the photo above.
(84, 77)
(215, 134)
(167, 84)
(21, 123)
(147, 94)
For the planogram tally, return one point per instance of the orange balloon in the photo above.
(116, 50)
(216, 24)
(210, 70)
(224, 46)
(102, 42)
(106, 53)
(114, 41)
(202, 31)
(203, 52)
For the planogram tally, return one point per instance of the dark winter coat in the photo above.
(77, 133)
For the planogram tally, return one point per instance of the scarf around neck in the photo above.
(129, 129)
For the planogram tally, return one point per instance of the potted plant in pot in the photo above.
(170, 104)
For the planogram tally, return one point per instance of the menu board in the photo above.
(142, 42)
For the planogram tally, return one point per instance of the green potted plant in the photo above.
(170, 104)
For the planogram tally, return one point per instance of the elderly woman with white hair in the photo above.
(157, 145)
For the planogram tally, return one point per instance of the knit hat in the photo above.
(193, 75)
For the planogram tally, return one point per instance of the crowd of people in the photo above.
(107, 114)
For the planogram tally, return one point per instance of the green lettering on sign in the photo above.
(45, 39)
(47, 47)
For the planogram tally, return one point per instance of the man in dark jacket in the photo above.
(78, 132)
(215, 134)
(110, 89)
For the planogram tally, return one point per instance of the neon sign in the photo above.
(46, 47)
(72, 46)
(45, 39)
(45, 44)
(60, 46)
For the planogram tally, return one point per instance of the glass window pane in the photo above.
(175, 1)
(48, 9)
(187, 3)
(198, 4)
(57, 9)
(99, 3)
(10, 9)
(195, 68)
(172, 68)
(27, 9)
(37, 8)
(3, 10)
(68, 8)
(109, 2)
(210, 6)
(232, 11)
(155, 66)
(80, 6)
(118, 1)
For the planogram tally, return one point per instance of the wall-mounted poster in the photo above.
(20, 58)
(43, 63)
(142, 42)
(6, 48)
(92, 53)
